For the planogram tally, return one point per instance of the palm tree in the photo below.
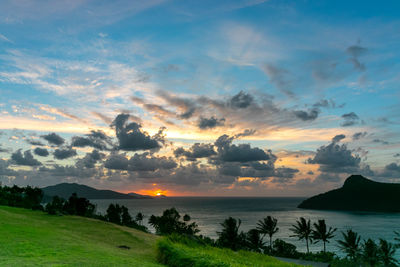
(254, 241)
(268, 226)
(370, 252)
(230, 236)
(386, 253)
(302, 230)
(139, 218)
(321, 232)
(350, 244)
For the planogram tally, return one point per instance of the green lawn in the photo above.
(33, 238)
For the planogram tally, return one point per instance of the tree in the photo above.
(139, 218)
(126, 218)
(321, 233)
(268, 226)
(370, 253)
(113, 213)
(386, 253)
(350, 244)
(254, 241)
(302, 230)
(229, 236)
(170, 223)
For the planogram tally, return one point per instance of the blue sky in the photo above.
(283, 76)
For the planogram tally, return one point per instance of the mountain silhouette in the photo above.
(65, 190)
(358, 194)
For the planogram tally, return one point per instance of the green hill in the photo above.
(34, 238)
(358, 194)
(65, 190)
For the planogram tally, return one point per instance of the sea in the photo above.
(210, 212)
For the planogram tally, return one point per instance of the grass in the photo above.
(177, 254)
(34, 238)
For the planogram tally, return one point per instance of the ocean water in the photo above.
(209, 212)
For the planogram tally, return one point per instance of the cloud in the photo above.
(5, 39)
(41, 152)
(35, 142)
(350, 119)
(132, 138)
(355, 51)
(144, 162)
(391, 170)
(383, 142)
(209, 123)
(246, 132)
(90, 159)
(241, 100)
(335, 158)
(359, 135)
(26, 159)
(338, 138)
(185, 106)
(196, 151)
(396, 155)
(54, 139)
(229, 152)
(96, 139)
(64, 153)
(5, 170)
(309, 115)
(280, 78)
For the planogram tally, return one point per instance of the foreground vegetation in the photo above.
(34, 238)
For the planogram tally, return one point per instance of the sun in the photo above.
(158, 194)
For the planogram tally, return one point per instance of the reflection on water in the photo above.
(209, 212)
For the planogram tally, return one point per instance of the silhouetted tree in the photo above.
(139, 218)
(254, 241)
(229, 236)
(322, 233)
(284, 249)
(113, 213)
(370, 253)
(170, 223)
(268, 226)
(56, 206)
(126, 218)
(302, 230)
(386, 253)
(350, 244)
(186, 218)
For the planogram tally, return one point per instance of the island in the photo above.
(358, 194)
(65, 190)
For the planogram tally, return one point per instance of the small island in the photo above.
(358, 194)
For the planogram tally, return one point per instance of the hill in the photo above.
(65, 190)
(34, 238)
(358, 194)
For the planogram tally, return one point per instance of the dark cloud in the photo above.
(359, 135)
(391, 170)
(132, 138)
(64, 153)
(3, 149)
(309, 115)
(54, 139)
(355, 51)
(229, 152)
(338, 138)
(41, 152)
(246, 132)
(35, 143)
(209, 123)
(90, 159)
(324, 103)
(96, 139)
(144, 162)
(241, 100)
(396, 155)
(196, 151)
(5, 170)
(26, 159)
(350, 119)
(335, 158)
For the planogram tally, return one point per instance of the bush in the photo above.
(281, 248)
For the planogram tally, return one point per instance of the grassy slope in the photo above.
(32, 238)
(182, 255)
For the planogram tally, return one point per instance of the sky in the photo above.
(199, 98)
